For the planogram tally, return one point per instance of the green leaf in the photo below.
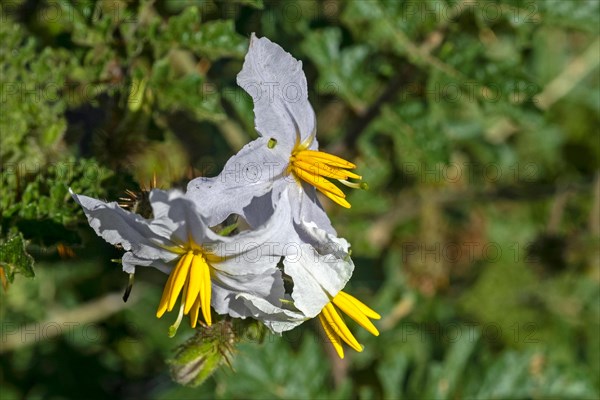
(14, 258)
(575, 14)
(32, 120)
(183, 91)
(343, 72)
(41, 195)
(418, 144)
(445, 379)
(212, 39)
(228, 229)
(391, 371)
(532, 375)
(218, 39)
(275, 370)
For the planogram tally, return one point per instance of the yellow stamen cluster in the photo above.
(314, 166)
(191, 277)
(335, 327)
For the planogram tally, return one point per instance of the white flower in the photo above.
(320, 266)
(204, 267)
(320, 272)
(285, 166)
(285, 156)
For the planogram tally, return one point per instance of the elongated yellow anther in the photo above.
(314, 167)
(335, 327)
(322, 169)
(163, 305)
(194, 284)
(164, 300)
(195, 311)
(205, 293)
(360, 305)
(326, 158)
(333, 337)
(354, 312)
(339, 326)
(179, 279)
(320, 183)
(191, 277)
(339, 200)
(338, 197)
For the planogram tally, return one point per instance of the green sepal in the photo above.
(200, 356)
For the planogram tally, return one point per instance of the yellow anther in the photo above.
(191, 278)
(335, 327)
(314, 166)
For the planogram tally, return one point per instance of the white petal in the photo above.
(177, 215)
(250, 174)
(276, 318)
(247, 282)
(167, 220)
(308, 208)
(254, 251)
(120, 227)
(277, 84)
(318, 274)
(130, 261)
(227, 288)
(323, 241)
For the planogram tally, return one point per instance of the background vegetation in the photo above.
(475, 124)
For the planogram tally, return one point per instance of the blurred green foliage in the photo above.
(474, 123)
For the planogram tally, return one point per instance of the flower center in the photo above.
(314, 166)
(191, 278)
(335, 327)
